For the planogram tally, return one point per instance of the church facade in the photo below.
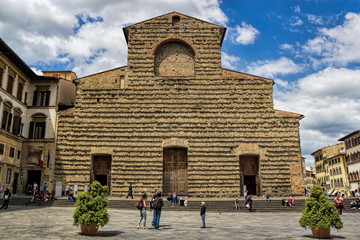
(174, 119)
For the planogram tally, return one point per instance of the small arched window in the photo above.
(37, 126)
(174, 59)
(175, 21)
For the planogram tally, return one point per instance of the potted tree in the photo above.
(320, 214)
(91, 211)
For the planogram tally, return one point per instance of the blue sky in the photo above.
(311, 48)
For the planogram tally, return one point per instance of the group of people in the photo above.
(156, 204)
(288, 202)
(40, 195)
(70, 194)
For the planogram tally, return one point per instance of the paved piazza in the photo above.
(56, 223)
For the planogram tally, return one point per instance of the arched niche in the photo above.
(174, 58)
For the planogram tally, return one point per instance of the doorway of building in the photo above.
(34, 176)
(175, 171)
(15, 183)
(249, 174)
(102, 169)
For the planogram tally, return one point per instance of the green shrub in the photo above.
(319, 212)
(91, 206)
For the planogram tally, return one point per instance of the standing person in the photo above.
(203, 213)
(245, 193)
(339, 203)
(67, 191)
(143, 211)
(35, 188)
(130, 192)
(158, 203)
(248, 203)
(45, 187)
(7, 196)
(237, 205)
(174, 198)
(152, 206)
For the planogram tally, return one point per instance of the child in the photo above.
(202, 213)
(237, 205)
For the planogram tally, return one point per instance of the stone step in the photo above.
(259, 205)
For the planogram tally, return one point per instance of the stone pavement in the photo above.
(18, 222)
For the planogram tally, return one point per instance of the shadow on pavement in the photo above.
(331, 236)
(103, 233)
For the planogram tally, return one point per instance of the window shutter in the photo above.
(47, 101)
(43, 130)
(3, 125)
(9, 122)
(31, 130)
(35, 97)
(16, 126)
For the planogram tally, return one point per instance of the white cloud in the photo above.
(295, 21)
(245, 34)
(49, 32)
(296, 9)
(271, 68)
(337, 46)
(315, 19)
(229, 61)
(330, 102)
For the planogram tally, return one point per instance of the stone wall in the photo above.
(214, 112)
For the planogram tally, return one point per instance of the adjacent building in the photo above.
(310, 177)
(174, 119)
(331, 169)
(28, 116)
(352, 145)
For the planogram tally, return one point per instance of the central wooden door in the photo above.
(101, 169)
(175, 171)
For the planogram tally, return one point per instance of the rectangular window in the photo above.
(9, 122)
(12, 152)
(1, 76)
(37, 130)
(8, 176)
(20, 91)
(18, 154)
(41, 98)
(4, 119)
(2, 146)
(25, 98)
(10, 85)
(17, 125)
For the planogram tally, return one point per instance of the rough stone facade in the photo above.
(173, 94)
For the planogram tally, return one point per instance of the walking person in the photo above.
(130, 192)
(143, 211)
(248, 202)
(7, 196)
(158, 203)
(339, 203)
(203, 213)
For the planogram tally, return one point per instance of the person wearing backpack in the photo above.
(7, 196)
(142, 207)
(158, 203)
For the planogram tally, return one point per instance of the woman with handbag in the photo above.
(339, 203)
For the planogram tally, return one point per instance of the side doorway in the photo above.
(249, 174)
(101, 170)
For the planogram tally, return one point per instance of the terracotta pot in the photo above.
(89, 230)
(321, 232)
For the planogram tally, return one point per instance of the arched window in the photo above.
(174, 59)
(37, 126)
